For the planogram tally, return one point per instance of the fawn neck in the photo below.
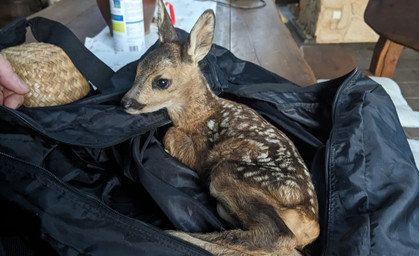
(199, 103)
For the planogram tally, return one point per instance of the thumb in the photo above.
(9, 79)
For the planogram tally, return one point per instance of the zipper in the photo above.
(328, 152)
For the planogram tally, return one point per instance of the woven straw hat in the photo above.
(48, 71)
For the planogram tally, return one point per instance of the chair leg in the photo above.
(385, 57)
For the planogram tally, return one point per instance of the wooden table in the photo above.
(256, 35)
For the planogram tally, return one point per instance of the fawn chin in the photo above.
(262, 186)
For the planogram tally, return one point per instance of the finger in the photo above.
(13, 100)
(7, 92)
(1, 95)
(9, 79)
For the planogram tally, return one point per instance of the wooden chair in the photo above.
(397, 23)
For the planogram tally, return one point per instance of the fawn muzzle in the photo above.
(128, 103)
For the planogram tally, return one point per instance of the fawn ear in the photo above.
(167, 32)
(199, 41)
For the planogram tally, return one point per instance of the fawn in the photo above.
(260, 181)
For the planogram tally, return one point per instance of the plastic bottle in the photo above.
(127, 24)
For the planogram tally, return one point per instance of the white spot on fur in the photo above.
(276, 169)
(270, 130)
(264, 147)
(242, 125)
(250, 174)
(224, 123)
(232, 132)
(211, 124)
(310, 185)
(263, 155)
(261, 178)
(246, 158)
(228, 105)
(253, 127)
(262, 134)
(265, 160)
(300, 161)
(274, 141)
(281, 150)
(278, 174)
(311, 201)
(236, 109)
(283, 165)
(310, 193)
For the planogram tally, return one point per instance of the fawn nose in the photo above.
(126, 103)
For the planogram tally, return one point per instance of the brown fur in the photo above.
(253, 169)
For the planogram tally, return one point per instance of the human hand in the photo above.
(12, 88)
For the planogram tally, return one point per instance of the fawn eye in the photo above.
(162, 83)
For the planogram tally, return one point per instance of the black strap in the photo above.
(49, 31)
(13, 34)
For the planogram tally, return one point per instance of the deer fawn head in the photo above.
(168, 76)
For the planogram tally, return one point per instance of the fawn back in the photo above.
(262, 186)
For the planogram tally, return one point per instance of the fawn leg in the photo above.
(263, 230)
(181, 146)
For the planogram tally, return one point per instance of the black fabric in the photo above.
(20, 232)
(94, 180)
(13, 34)
(55, 33)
